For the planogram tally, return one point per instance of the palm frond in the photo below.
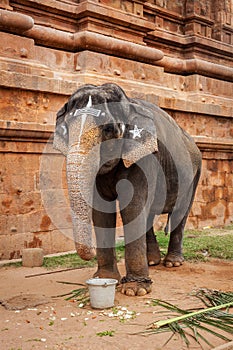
(81, 295)
(214, 319)
(213, 297)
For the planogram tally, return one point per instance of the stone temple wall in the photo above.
(178, 54)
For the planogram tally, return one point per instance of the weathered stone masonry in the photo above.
(178, 54)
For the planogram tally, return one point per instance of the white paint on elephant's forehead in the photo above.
(88, 110)
(122, 128)
(89, 103)
(136, 132)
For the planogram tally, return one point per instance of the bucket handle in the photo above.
(106, 284)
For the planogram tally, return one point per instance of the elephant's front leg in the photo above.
(104, 225)
(136, 281)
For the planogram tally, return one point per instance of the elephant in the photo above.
(127, 152)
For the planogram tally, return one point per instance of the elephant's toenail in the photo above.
(151, 263)
(130, 292)
(169, 264)
(141, 292)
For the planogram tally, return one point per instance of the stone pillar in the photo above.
(223, 16)
(198, 18)
(4, 4)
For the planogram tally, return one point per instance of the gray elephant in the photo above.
(126, 150)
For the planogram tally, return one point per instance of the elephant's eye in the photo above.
(110, 131)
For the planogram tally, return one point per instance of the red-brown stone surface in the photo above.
(177, 54)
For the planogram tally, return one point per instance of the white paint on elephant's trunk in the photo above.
(64, 130)
(83, 120)
(123, 128)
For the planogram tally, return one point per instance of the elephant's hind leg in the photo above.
(174, 256)
(153, 252)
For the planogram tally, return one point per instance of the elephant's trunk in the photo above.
(81, 174)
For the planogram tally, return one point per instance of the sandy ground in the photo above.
(60, 324)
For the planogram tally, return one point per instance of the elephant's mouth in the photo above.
(108, 166)
(110, 162)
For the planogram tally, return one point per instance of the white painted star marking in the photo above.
(136, 132)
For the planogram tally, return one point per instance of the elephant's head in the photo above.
(96, 128)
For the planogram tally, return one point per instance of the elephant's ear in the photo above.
(61, 113)
(60, 141)
(140, 137)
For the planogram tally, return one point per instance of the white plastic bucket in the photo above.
(102, 292)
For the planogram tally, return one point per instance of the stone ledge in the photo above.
(196, 66)
(25, 132)
(91, 10)
(213, 144)
(15, 21)
(187, 41)
(65, 86)
(28, 67)
(86, 39)
(14, 261)
(51, 6)
(114, 15)
(194, 107)
(121, 48)
(38, 83)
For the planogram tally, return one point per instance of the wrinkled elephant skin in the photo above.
(131, 151)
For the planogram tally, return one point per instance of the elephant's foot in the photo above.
(153, 256)
(132, 288)
(173, 260)
(103, 273)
